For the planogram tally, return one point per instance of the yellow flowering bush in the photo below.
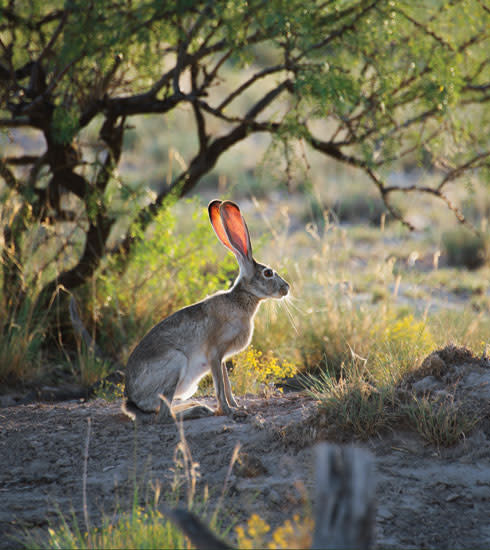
(110, 391)
(293, 533)
(404, 342)
(408, 331)
(136, 529)
(256, 372)
(252, 535)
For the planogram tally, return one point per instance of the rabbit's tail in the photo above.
(133, 412)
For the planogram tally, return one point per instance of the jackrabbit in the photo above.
(176, 353)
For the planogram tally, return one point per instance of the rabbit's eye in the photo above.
(268, 273)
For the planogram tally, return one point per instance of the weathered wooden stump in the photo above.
(345, 492)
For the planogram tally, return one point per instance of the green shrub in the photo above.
(358, 208)
(464, 248)
(398, 344)
(88, 368)
(441, 422)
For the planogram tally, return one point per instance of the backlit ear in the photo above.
(236, 228)
(217, 223)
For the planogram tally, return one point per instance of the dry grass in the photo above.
(440, 421)
(20, 343)
(352, 406)
(358, 405)
(357, 408)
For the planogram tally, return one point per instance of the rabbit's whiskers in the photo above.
(286, 302)
(293, 302)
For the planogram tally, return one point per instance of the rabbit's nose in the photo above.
(283, 291)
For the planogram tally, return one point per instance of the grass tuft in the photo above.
(21, 337)
(140, 528)
(89, 368)
(440, 421)
(352, 406)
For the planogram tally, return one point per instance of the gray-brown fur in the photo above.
(177, 352)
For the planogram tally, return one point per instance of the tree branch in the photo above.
(8, 176)
(425, 29)
(140, 104)
(21, 161)
(54, 37)
(200, 122)
(254, 78)
(15, 123)
(340, 32)
(203, 162)
(456, 172)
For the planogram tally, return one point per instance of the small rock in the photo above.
(384, 514)
(248, 465)
(7, 401)
(426, 385)
(433, 365)
(478, 384)
(442, 395)
(478, 493)
(275, 497)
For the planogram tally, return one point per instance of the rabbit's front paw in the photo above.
(237, 413)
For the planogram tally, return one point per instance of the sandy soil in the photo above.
(427, 497)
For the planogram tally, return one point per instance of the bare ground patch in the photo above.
(427, 497)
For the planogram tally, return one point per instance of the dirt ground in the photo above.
(427, 497)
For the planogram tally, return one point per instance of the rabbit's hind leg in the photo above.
(197, 367)
(135, 413)
(166, 387)
(154, 388)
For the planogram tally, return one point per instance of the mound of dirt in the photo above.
(456, 372)
(427, 497)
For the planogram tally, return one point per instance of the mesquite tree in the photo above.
(387, 79)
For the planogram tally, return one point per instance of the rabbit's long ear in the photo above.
(236, 229)
(217, 223)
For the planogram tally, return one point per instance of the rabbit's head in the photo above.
(231, 229)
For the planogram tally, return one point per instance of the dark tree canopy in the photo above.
(364, 82)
